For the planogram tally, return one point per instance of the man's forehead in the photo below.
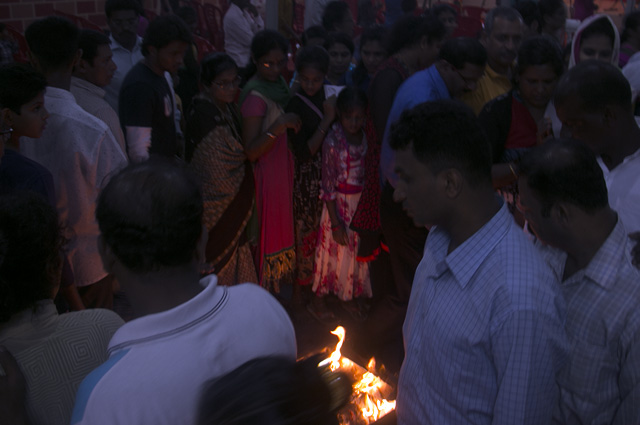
(502, 25)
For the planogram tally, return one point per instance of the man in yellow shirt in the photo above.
(502, 34)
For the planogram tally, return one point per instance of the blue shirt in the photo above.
(484, 336)
(421, 87)
(601, 383)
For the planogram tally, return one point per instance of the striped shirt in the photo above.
(601, 384)
(484, 333)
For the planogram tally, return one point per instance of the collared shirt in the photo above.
(91, 98)
(484, 333)
(601, 384)
(423, 86)
(125, 60)
(490, 86)
(171, 354)
(55, 352)
(239, 28)
(80, 152)
(623, 185)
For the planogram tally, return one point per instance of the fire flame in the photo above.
(366, 396)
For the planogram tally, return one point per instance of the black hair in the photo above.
(267, 40)
(215, 64)
(612, 87)
(111, 6)
(2, 26)
(53, 41)
(89, 42)
(565, 170)
(459, 51)
(285, 392)
(601, 26)
(631, 22)
(30, 246)
(333, 14)
(441, 8)
(163, 31)
(530, 13)
(315, 31)
(445, 134)
(408, 6)
(540, 50)
(549, 7)
(349, 98)
(187, 13)
(339, 38)
(150, 215)
(504, 12)
(19, 84)
(409, 30)
(315, 57)
(374, 33)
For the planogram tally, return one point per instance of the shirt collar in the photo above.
(160, 325)
(604, 266)
(465, 260)
(57, 93)
(117, 46)
(85, 85)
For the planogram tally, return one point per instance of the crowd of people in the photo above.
(473, 203)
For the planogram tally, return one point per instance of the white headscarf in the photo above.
(575, 43)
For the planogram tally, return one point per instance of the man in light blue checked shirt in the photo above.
(563, 195)
(484, 333)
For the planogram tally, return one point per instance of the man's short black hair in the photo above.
(150, 216)
(89, 42)
(333, 14)
(163, 31)
(30, 244)
(530, 13)
(315, 31)
(315, 57)
(19, 84)
(540, 50)
(445, 134)
(565, 170)
(53, 41)
(409, 31)
(507, 13)
(339, 38)
(595, 84)
(459, 51)
(111, 6)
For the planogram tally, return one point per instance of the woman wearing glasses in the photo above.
(264, 134)
(216, 155)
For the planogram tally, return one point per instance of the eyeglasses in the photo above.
(228, 84)
(122, 22)
(274, 64)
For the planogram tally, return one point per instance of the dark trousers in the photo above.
(406, 245)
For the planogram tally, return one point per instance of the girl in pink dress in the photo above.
(336, 269)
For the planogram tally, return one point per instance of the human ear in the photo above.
(453, 182)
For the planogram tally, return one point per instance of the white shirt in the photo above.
(239, 29)
(623, 184)
(81, 153)
(313, 10)
(158, 363)
(91, 98)
(124, 60)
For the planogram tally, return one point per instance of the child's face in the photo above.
(352, 120)
(598, 46)
(310, 80)
(225, 86)
(32, 119)
(339, 59)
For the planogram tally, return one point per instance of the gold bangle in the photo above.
(323, 131)
(515, 175)
(271, 135)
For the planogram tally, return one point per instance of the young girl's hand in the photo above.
(340, 235)
(288, 120)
